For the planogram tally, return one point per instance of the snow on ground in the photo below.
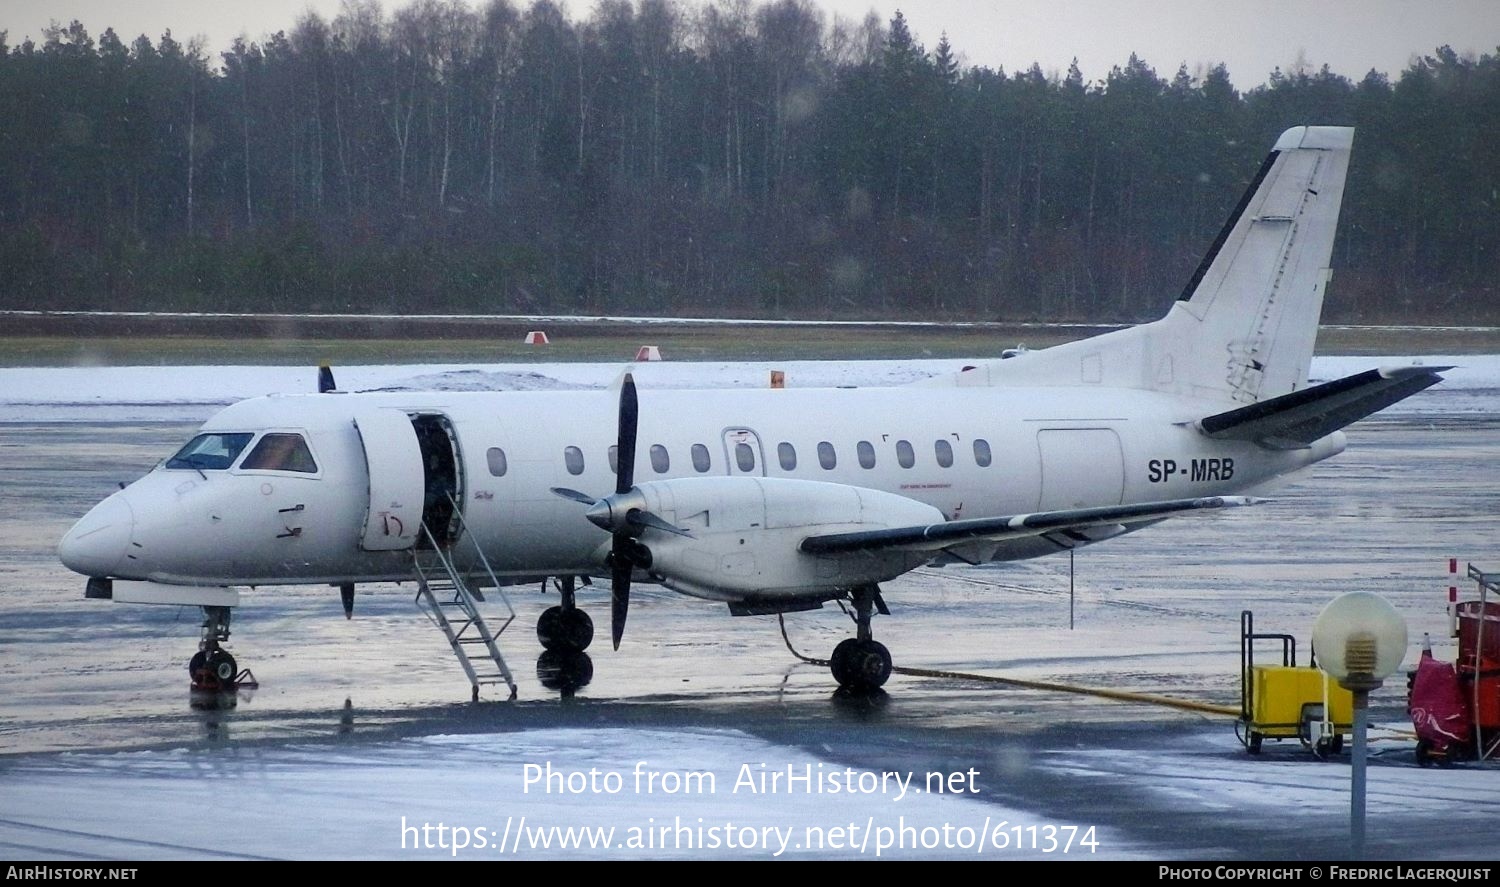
(191, 393)
(655, 793)
(620, 793)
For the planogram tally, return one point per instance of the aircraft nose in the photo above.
(95, 545)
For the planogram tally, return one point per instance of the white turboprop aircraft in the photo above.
(770, 500)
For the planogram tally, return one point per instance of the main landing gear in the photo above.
(861, 663)
(565, 628)
(565, 631)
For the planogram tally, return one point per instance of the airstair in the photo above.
(450, 597)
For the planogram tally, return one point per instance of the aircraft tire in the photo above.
(565, 630)
(549, 628)
(838, 662)
(860, 665)
(222, 666)
(872, 662)
(578, 630)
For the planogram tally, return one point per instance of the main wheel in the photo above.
(860, 665)
(872, 665)
(578, 630)
(565, 631)
(838, 661)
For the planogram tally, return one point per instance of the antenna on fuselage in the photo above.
(325, 378)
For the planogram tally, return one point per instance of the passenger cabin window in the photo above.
(826, 456)
(212, 451)
(866, 454)
(573, 458)
(944, 452)
(281, 452)
(614, 459)
(496, 459)
(905, 454)
(788, 456)
(660, 461)
(701, 462)
(744, 457)
(982, 452)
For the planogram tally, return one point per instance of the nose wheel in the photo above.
(212, 668)
(862, 663)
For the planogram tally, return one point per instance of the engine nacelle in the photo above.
(746, 532)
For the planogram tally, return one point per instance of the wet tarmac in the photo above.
(1157, 612)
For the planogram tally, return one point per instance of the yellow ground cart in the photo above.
(1286, 701)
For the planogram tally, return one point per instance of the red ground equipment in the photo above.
(1455, 708)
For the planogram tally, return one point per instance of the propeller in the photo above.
(325, 378)
(622, 556)
(624, 515)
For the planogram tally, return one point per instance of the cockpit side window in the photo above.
(281, 452)
(212, 451)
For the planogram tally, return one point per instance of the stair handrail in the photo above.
(465, 533)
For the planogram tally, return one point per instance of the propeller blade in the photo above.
(638, 519)
(619, 593)
(629, 412)
(625, 556)
(325, 378)
(576, 496)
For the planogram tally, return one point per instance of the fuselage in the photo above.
(968, 453)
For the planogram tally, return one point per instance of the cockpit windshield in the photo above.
(212, 451)
(281, 452)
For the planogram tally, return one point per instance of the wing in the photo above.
(934, 537)
(1293, 421)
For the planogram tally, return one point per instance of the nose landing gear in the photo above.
(212, 669)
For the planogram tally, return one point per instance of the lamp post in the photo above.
(1359, 640)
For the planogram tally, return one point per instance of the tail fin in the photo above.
(1244, 327)
(1258, 293)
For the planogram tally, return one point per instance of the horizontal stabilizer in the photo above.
(934, 537)
(1293, 421)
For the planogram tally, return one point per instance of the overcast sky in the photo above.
(1251, 36)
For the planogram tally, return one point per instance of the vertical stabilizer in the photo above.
(1244, 326)
(1257, 295)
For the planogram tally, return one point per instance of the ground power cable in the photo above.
(1117, 695)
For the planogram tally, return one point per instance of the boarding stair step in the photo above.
(437, 575)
